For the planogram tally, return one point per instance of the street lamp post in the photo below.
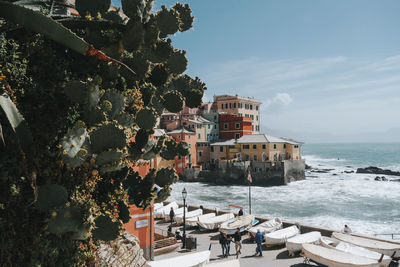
(184, 194)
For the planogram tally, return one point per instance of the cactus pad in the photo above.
(108, 157)
(106, 229)
(163, 195)
(106, 137)
(76, 91)
(169, 150)
(177, 62)
(133, 36)
(66, 220)
(93, 116)
(185, 16)
(162, 50)
(125, 119)
(92, 7)
(193, 98)
(166, 176)
(117, 103)
(148, 91)
(183, 149)
(94, 96)
(159, 75)
(146, 118)
(134, 9)
(73, 141)
(50, 196)
(173, 101)
(82, 232)
(182, 83)
(167, 21)
(141, 138)
(151, 34)
(139, 64)
(123, 212)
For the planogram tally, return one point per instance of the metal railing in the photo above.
(393, 235)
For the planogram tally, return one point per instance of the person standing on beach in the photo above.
(228, 240)
(240, 213)
(259, 238)
(171, 215)
(347, 229)
(222, 241)
(238, 244)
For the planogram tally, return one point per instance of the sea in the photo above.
(328, 200)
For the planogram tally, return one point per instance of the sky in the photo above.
(322, 66)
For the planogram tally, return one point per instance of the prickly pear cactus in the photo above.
(91, 119)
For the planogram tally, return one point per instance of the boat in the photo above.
(189, 260)
(294, 244)
(159, 214)
(215, 222)
(323, 256)
(243, 222)
(194, 220)
(386, 248)
(355, 250)
(266, 227)
(178, 212)
(194, 213)
(157, 206)
(279, 237)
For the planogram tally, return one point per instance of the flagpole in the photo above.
(249, 197)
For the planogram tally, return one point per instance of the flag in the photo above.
(249, 177)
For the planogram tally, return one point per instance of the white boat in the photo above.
(294, 244)
(386, 248)
(336, 258)
(178, 212)
(215, 222)
(243, 222)
(226, 263)
(194, 213)
(161, 211)
(189, 260)
(157, 206)
(279, 237)
(355, 250)
(266, 227)
(194, 220)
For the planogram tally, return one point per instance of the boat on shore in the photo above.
(194, 213)
(243, 222)
(294, 244)
(160, 212)
(190, 260)
(178, 212)
(382, 247)
(215, 222)
(194, 220)
(279, 237)
(333, 243)
(266, 227)
(323, 256)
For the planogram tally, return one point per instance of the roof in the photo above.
(180, 131)
(199, 120)
(159, 132)
(225, 143)
(263, 138)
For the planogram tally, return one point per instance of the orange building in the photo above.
(234, 127)
(182, 134)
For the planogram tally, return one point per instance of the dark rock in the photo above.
(377, 178)
(348, 171)
(395, 180)
(334, 174)
(376, 170)
(322, 170)
(383, 178)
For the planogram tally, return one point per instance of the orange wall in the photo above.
(191, 140)
(142, 233)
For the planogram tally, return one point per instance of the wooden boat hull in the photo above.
(279, 237)
(295, 243)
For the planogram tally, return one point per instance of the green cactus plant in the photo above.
(106, 229)
(146, 118)
(162, 50)
(134, 9)
(51, 196)
(169, 150)
(133, 36)
(183, 149)
(117, 102)
(123, 213)
(82, 232)
(185, 16)
(177, 62)
(76, 91)
(93, 116)
(108, 157)
(193, 98)
(168, 21)
(163, 195)
(159, 75)
(166, 176)
(65, 220)
(92, 7)
(125, 119)
(173, 101)
(108, 136)
(139, 64)
(73, 151)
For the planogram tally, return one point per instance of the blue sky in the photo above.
(318, 66)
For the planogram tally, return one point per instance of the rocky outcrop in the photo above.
(376, 170)
(383, 178)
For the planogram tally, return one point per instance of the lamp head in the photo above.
(184, 193)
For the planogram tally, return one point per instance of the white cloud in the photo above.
(277, 103)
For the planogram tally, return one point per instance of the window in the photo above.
(284, 145)
(198, 144)
(200, 153)
(246, 106)
(212, 149)
(254, 146)
(252, 128)
(246, 146)
(240, 105)
(215, 117)
(179, 137)
(199, 136)
(251, 107)
(198, 126)
(234, 105)
(237, 135)
(221, 149)
(225, 126)
(255, 157)
(222, 106)
(264, 146)
(190, 146)
(252, 117)
(256, 107)
(256, 118)
(296, 146)
(209, 126)
(237, 125)
(215, 126)
(274, 146)
(188, 136)
(179, 157)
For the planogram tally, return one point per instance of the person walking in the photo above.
(259, 238)
(171, 215)
(222, 241)
(228, 240)
(238, 245)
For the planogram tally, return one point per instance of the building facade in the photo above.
(234, 127)
(190, 161)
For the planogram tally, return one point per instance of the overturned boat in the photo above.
(161, 211)
(194, 220)
(294, 244)
(266, 227)
(215, 222)
(243, 222)
(194, 213)
(279, 237)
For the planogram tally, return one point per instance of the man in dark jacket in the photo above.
(240, 212)
(238, 244)
(259, 238)
(222, 241)
(171, 215)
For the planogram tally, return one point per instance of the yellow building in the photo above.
(256, 147)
